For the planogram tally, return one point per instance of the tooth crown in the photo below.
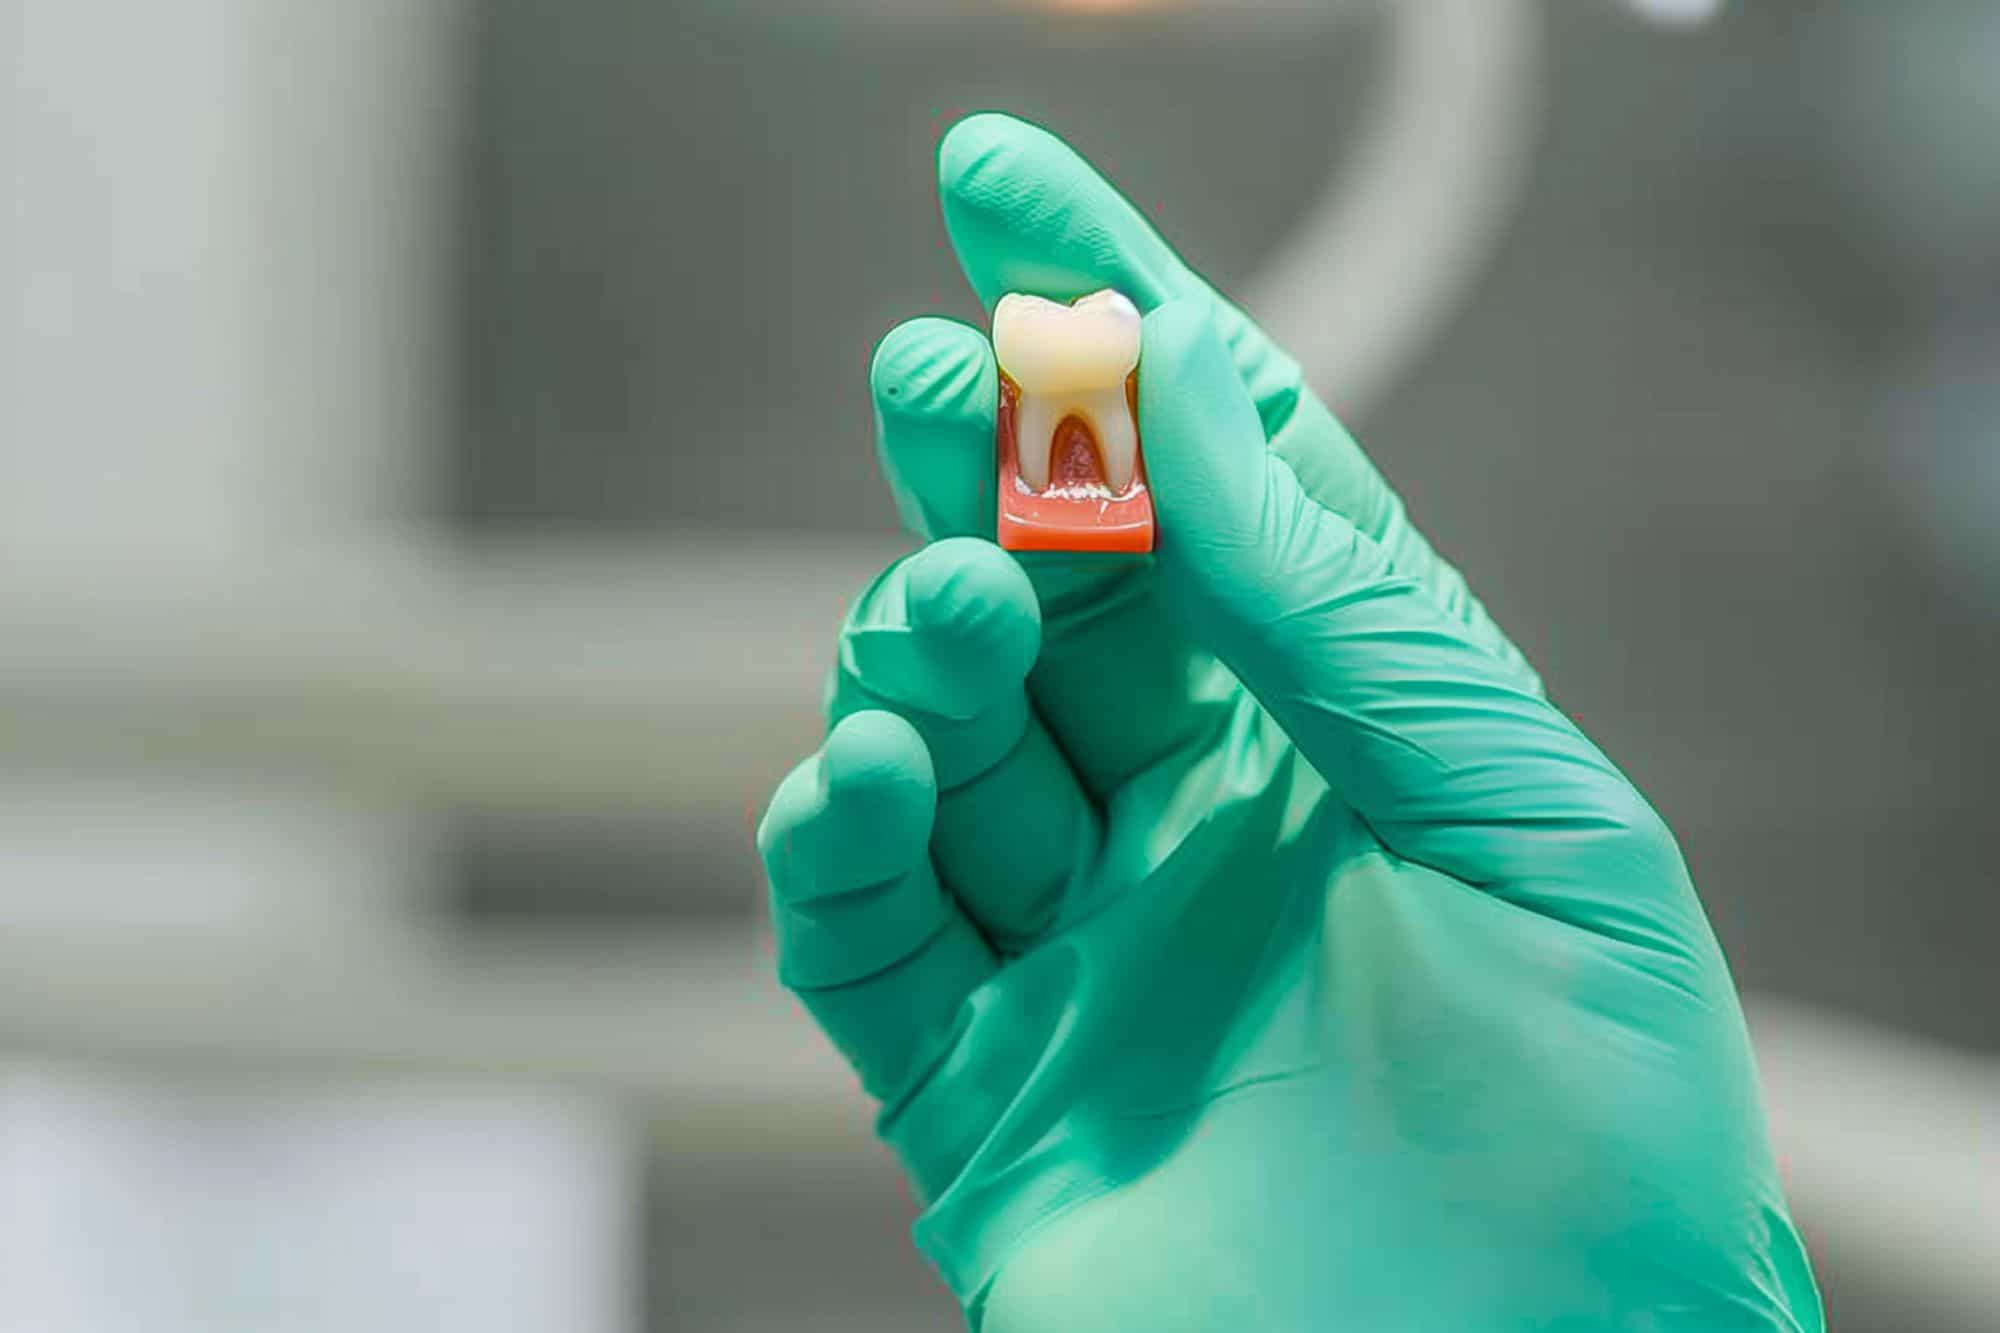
(1070, 361)
(1048, 347)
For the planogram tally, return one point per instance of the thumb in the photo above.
(1447, 752)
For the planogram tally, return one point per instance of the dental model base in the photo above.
(1070, 474)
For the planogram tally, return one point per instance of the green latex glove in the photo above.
(1237, 939)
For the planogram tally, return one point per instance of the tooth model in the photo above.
(1070, 474)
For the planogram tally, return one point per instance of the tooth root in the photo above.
(1035, 421)
(1110, 417)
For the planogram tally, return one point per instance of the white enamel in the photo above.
(1070, 360)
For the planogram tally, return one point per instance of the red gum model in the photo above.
(1077, 511)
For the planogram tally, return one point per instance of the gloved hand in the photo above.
(1238, 939)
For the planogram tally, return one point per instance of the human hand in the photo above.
(1237, 938)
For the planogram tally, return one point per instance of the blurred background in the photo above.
(434, 457)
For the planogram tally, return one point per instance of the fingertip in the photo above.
(936, 391)
(980, 142)
(876, 768)
(1027, 212)
(932, 366)
(977, 612)
(856, 813)
(992, 169)
(945, 639)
